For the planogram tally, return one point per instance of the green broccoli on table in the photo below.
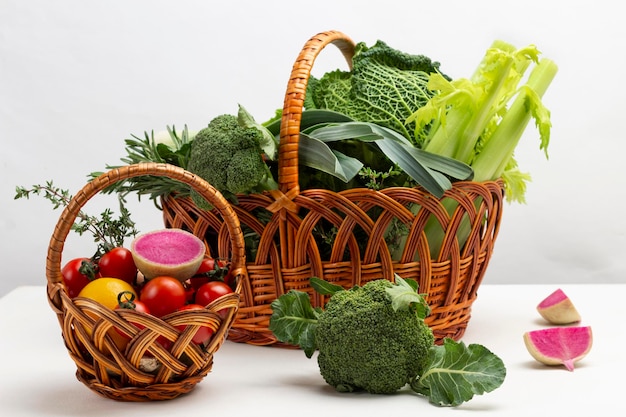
(374, 338)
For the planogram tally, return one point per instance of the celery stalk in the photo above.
(464, 108)
(469, 121)
(498, 149)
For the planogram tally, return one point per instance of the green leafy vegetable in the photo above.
(429, 170)
(295, 320)
(324, 287)
(456, 372)
(404, 296)
(385, 86)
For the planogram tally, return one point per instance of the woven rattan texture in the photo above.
(289, 252)
(121, 374)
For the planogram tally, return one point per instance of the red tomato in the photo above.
(207, 265)
(163, 295)
(190, 291)
(118, 263)
(211, 291)
(204, 333)
(229, 279)
(73, 279)
(213, 268)
(197, 281)
(126, 299)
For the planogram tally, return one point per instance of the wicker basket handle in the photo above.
(70, 213)
(294, 101)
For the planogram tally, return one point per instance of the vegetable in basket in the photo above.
(373, 338)
(385, 86)
(478, 120)
(229, 156)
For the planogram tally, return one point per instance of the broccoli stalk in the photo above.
(374, 338)
(228, 154)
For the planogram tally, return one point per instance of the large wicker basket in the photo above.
(288, 253)
(121, 375)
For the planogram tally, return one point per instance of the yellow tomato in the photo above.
(105, 291)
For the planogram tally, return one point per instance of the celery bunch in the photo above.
(480, 120)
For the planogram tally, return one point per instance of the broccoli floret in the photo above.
(364, 344)
(229, 156)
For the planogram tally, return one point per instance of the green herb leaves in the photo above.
(107, 231)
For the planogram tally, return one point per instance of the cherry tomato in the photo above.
(204, 333)
(105, 291)
(190, 291)
(229, 279)
(211, 291)
(197, 281)
(73, 279)
(207, 265)
(118, 263)
(163, 295)
(212, 268)
(127, 300)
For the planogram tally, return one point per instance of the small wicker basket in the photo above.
(283, 223)
(122, 375)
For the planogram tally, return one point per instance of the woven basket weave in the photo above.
(283, 222)
(119, 375)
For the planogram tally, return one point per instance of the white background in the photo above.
(78, 77)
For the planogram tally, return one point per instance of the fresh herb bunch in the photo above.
(108, 232)
(174, 150)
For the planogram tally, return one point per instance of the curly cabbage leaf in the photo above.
(384, 87)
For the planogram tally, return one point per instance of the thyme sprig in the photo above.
(108, 232)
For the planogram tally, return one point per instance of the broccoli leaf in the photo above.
(404, 296)
(294, 320)
(456, 372)
(268, 143)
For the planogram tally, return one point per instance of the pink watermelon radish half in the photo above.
(559, 345)
(173, 252)
(557, 308)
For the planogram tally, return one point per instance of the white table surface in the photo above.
(37, 376)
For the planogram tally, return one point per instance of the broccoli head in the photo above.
(364, 344)
(229, 156)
